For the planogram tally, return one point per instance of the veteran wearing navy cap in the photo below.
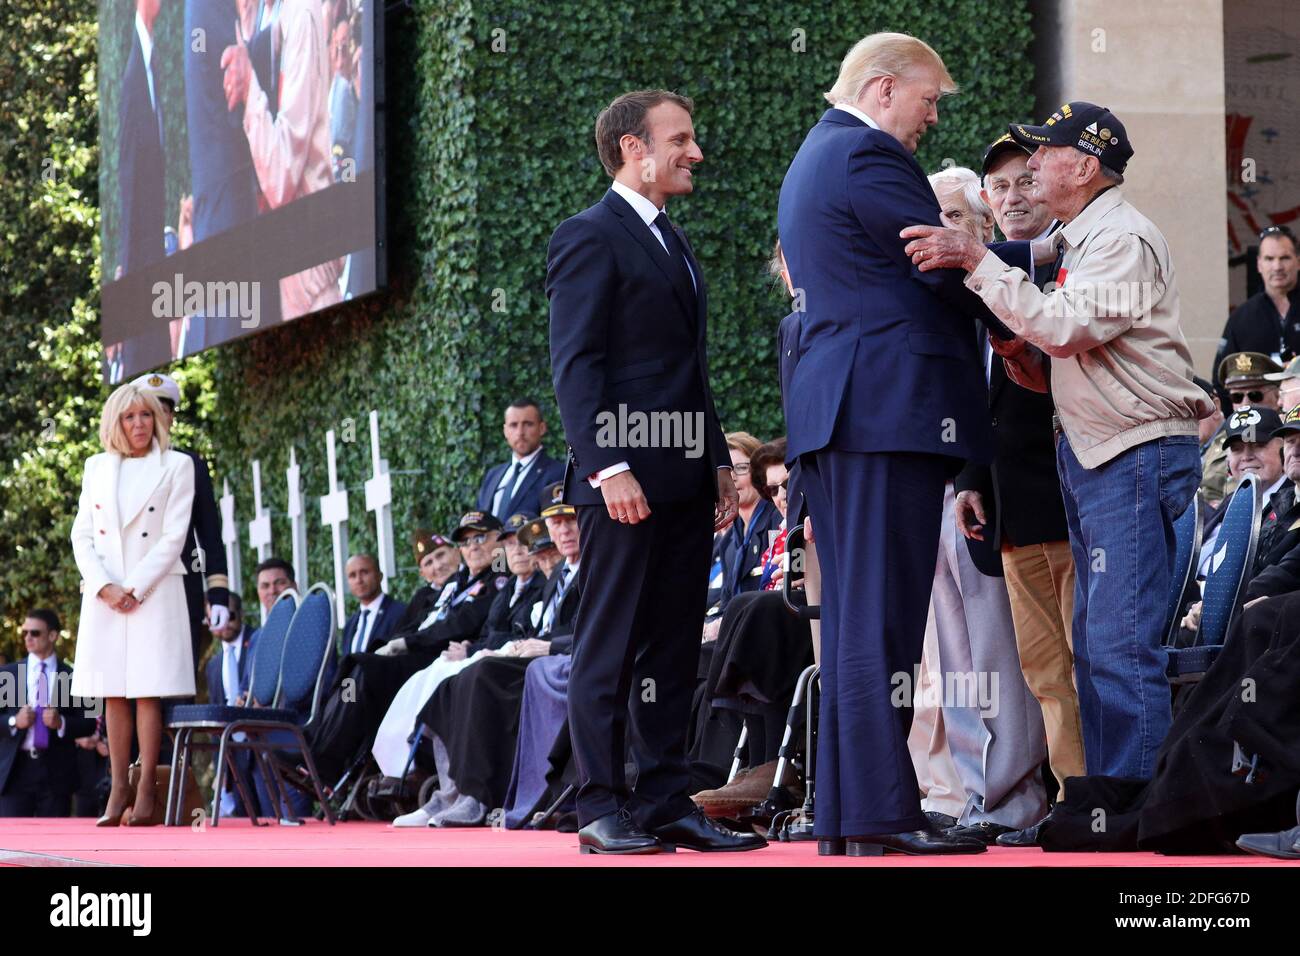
(1126, 407)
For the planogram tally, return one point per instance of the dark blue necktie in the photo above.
(677, 254)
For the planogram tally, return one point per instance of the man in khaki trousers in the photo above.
(1016, 503)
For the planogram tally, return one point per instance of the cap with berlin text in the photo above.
(1089, 128)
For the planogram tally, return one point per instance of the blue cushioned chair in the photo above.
(302, 665)
(212, 718)
(1187, 548)
(1230, 567)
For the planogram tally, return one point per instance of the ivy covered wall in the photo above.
(489, 116)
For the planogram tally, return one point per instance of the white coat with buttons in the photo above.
(145, 652)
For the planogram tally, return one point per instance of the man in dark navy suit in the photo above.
(39, 726)
(140, 167)
(375, 621)
(227, 673)
(873, 470)
(514, 485)
(649, 473)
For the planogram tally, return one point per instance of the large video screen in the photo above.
(239, 186)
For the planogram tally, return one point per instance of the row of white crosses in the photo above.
(333, 513)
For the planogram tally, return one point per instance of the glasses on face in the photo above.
(741, 469)
(475, 539)
(772, 490)
(31, 632)
(1238, 397)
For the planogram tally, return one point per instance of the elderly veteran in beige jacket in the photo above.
(1121, 377)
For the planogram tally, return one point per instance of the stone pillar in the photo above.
(1159, 67)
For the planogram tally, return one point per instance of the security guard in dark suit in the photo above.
(205, 553)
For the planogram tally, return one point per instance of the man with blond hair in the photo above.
(873, 465)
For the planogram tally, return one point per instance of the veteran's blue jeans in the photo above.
(1121, 516)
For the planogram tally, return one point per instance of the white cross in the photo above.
(259, 529)
(379, 498)
(334, 512)
(297, 519)
(230, 535)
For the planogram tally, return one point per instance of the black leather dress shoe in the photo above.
(695, 831)
(1022, 838)
(1284, 845)
(616, 833)
(915, 843)
(940, 821)
(830, 846)
(986, 833)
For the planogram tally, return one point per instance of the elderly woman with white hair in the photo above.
(960, 203)
(133, 640)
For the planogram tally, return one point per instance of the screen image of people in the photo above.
(237, 181)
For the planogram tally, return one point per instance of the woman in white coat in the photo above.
(133, 640)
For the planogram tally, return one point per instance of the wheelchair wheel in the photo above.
(362, 805)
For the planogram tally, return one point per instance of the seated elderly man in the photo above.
(366, 683)
(508, 620)
(1254, 437)
(438, 560)
(1248, 379)
(474, 716)
(1278, 571)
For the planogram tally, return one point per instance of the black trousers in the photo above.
(637, 642)
(31, 790)
(350, 716)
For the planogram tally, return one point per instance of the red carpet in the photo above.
(236, 843)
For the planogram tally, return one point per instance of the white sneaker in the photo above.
(422, 816)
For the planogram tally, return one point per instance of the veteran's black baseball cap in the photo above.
(515, 522)
(1003, 144)
(1255, 424)
(1087, 127)
(552, 502)
(1290, 424)
(480, 521)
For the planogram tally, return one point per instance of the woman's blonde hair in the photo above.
(884, 54)
(743, 442)
(126, 397)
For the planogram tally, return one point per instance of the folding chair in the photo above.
(1230, 567)
(187, 720)
(306, 651)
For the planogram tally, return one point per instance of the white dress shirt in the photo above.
(232, 652)
(854, 111)
(525, 463)
(366, 624)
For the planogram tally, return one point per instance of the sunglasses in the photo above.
(1276, 231)
(773, 489)
(31, 632)
(1238, 397)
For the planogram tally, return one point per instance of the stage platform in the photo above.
(236, 843)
